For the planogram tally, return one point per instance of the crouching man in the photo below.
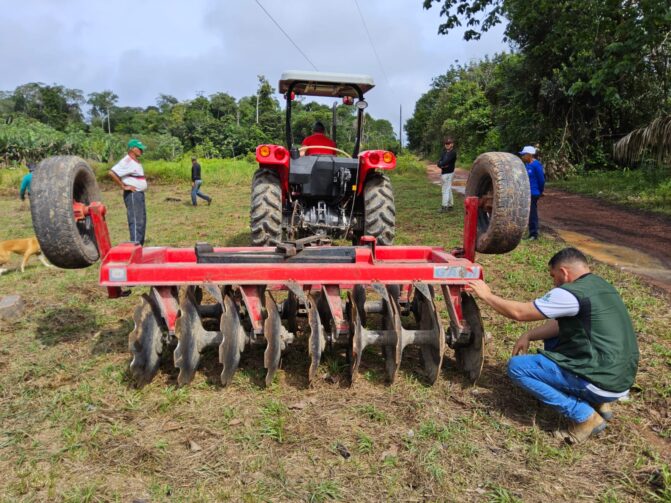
(590, 354)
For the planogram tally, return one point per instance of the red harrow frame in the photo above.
(245, 281)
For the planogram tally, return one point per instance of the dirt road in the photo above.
(633, 240)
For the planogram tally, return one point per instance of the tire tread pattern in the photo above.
(266, 208)
(51, 198)
(379, 209)
(511, 200)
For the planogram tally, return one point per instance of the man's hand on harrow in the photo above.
(480, 288)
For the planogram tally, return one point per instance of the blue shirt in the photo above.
(25, 186)
(536, 177)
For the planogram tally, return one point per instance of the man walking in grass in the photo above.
(590, 354)
(196, 182)
(129, 175)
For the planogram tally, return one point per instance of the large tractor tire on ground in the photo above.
(57, 183)
(266, 208)
(379, 209)
(500, 181)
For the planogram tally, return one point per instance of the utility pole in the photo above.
(333, 121)
(400, 129)
(109, 129)
(257, 107)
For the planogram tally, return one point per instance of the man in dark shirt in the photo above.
(196, 182)
(446, 163)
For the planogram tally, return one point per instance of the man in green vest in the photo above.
(590, 354)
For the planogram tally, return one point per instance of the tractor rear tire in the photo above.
(57, 183)
(502, 177)
(379, 209)
(266, 208)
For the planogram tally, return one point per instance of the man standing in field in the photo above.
(537, 185)
(446, 163)
(591, 352)
(129, 175)
(196, 182)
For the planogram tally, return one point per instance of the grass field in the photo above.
(72, 428)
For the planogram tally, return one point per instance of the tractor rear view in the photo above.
(333, 194)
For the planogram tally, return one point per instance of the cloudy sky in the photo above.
(140, 48)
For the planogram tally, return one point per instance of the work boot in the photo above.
(604, 410)
(579, 432)
(209, 201)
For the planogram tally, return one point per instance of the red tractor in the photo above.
(334, 195)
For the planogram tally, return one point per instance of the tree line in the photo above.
(580, 76)
(38, 120)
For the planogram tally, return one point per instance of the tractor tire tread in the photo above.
(379, 209)
(266, 208)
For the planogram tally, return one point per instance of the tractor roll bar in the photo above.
(359, 116)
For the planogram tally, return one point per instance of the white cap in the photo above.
(528, 149)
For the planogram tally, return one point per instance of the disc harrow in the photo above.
(235, 298)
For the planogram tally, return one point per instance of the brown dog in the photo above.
(26, 247)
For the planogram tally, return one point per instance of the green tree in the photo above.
(101, 106)
(583, 73)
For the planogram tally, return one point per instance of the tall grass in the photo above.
(213, 171)
(222, 172)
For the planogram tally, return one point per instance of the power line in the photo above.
(370, 40)
(286, 35)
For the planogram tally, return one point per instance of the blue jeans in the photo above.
(533, 216)
(560, 389)
(195, 191)
(137, 215)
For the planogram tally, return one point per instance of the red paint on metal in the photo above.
(169, 306)
(470, 227)
(366, 164)
(252, 298)
(332, 294)
(278, 159)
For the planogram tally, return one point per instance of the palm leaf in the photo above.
(653, 140)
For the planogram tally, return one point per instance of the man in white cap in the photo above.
(537, 185)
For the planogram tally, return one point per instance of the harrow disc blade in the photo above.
(434, 349)
(233, 340)
(290, 311)
(391, 323)
(359, 298)
(356, 337)
(145, 342)
(471, 358)
(191, 336)
(317, 341)
(272, 331)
